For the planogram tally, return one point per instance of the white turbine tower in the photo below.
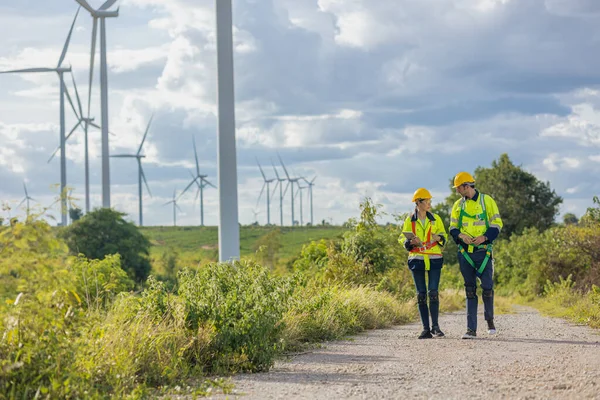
(266, 184)
(229, 228)
(299, 193)
(280, 184)
(141, 176)
(200, 181)
(291, 182)
(60, 70)
(26, 199)
(101, 14)
(175, 207)
(310, 184)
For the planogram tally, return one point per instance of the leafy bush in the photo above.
(370, 245)
(97, 282)
(244, 304)
(104, 232)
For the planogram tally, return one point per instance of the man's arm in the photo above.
(493, 214)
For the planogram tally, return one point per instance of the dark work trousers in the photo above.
(487, 286)
(422, 291)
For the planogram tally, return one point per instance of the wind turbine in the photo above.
(255, 216)
(141, 176)
(175, 207)
(310, 193)
(200, 181)
(291, 182)
(279, 180)
(267, 183)
(299, 193)
(60, 70)
(86, 122)
(26, 199)
(101, 14)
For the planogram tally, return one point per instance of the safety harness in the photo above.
(488, 247)
(429, 244)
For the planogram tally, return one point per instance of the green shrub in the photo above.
(104, 232)
(244, 304)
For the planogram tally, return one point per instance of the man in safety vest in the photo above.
(424, 236)
(474, 225)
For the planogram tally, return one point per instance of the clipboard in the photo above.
(408, 235)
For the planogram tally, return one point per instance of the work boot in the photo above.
(471, 334)
(491, 327)
(436, 331)
(426, 334)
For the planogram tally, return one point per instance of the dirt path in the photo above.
(531, 357)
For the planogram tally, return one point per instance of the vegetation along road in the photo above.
(531, 357)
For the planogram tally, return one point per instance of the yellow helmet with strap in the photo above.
(462, 178)
(421, 193)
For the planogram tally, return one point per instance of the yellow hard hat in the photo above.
(463, 177)
(421, 193)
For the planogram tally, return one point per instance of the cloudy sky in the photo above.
(373, 97)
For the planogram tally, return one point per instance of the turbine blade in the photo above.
(261, 170)
(25, 187)
(275, 169)
(177, 206)
(261, 192)
(197, 195)
(66, 46)
(145, 134)
(286, 188)
(108, 4)
(84, 4)
(123, 155)
(72, 130)
(144, 179)
(25, 70)
(208, 183)
(92, 56)
(22, 201)
(274, 188)
(196, 155)
(313, 179)
(53, 154)
(77, 94)
(283, 165)
(71, 102)
(186, 188)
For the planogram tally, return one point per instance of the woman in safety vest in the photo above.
(424, 236)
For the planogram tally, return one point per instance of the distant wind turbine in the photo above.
(101, 14)
(291, 182)
(26, 199)
(310, 193)
(266, 184)
(299, 193)
(175, 207)
(200, 181)
(280, 184)
(60, 70)
(141, 176)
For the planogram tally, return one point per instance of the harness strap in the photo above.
(488, 254)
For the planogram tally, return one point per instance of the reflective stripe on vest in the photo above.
(427, 246)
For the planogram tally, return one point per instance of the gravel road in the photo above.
(531, 357)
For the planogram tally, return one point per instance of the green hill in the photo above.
(196, 244)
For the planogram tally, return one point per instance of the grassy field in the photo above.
(196, 244)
